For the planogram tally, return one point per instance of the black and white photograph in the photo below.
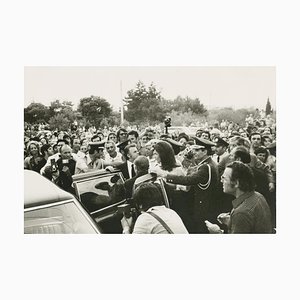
(209, 134)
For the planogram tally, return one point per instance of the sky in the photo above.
(237, 87)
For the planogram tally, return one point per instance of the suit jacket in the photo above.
(124, 169)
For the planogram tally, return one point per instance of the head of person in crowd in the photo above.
(43, 140)
(214, 133)
(202, 149)
(266, 140)
(133, 137)
(67, 138)
(237, 179)
(95, 150)
(164, 154)
(33, 149)
(255, 139)
(47, 150)
(95, 138)
(144, 140)
(76, 145)
(131, 152)
(199, 132)
(183, 138)
(221, 146)
(177, 146)
(267, 131)
(241, 153)
(262, 153)
(111, 149)
(238, 141)
(147, 195)
(59, 144)
(150, 133)
(112, 137)
(141, 165)
(65, 152)
(205, 135)
(122, 135)
(100, 134)
(83, 148)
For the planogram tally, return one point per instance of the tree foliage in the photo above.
(268, 108)
(95, 109)
(146, 105)
(60, 122)
(188, 104)
(36, 113)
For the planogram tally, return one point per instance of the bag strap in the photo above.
(162, 222)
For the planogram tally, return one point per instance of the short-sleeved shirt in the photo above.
(146, 223)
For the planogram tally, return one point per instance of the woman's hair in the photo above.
(148, 195)
(243, 174)
(45, 148)
(33, 143)
(166, 154)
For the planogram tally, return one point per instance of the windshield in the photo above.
(62, 218)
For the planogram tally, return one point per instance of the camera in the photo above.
(124, 209)
(54, 166)
(167, 122)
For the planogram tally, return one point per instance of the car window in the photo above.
(99, 192)
(62, 218)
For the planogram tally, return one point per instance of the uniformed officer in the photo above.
(203, 179)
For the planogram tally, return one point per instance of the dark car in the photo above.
(49, 209)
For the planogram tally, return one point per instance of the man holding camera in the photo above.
(61, 171)
(203, 179)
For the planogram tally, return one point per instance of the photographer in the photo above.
(61, 171)
(155, 218)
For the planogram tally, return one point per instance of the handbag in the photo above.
(162, 222)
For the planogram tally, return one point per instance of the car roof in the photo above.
(39, 190)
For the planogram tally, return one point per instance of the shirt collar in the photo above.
(239, 200)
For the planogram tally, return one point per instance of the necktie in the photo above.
(218, 158)
(132, 171)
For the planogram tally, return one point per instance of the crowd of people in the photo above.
(220, 180)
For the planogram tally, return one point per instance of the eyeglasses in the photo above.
(123, 133)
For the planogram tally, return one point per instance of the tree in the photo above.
(268, 107)
(95, 109)
(188, 104)
(36, 113)
(59, 122)
(146, 105)
(65, 108)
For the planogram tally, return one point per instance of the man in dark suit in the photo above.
(127, 168)
(141, 166)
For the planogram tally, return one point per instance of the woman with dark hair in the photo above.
(177, 194)
(155, 218)
(34, 161)
(165, 158)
